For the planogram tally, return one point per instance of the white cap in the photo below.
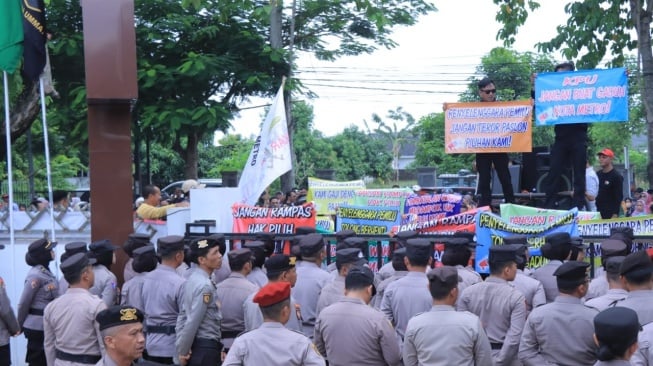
(417, 188)
(139, 201)
(191, 184)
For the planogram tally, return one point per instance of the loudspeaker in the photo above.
(230, 178)
(515, 175)
(426, 177)
(530, 165)
(564, 184)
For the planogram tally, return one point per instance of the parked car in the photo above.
(209, 182)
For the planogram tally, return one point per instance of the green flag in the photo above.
(11, 35)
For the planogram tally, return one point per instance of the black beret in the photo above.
(467, 235)
(402, 236)
(257, 248)
(446, 275)
(505, 253)
(76, 247)
(102, 246)
(41, 245)
(311, 244)
(239, 257)
(399, 254)
(170, 244)
(418, 248)
(636, 263)
(349, 255)
(613, 264)
(352, 242)
(279, 263)
(560, 239)
(118, 315)
(617, 327)
(344, 234)
(359, 276)
(458, 244)
(134, 241)
(516, 239)
(613, 247)
(572, 272)
(625, 230)
(303, 230)
(198, 245)
(145, 259)
(74, 264)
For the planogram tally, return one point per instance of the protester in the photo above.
(150, 209)
(610, 194)
(591, 187)
(640, 209)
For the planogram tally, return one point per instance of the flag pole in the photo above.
(10, 178)
(47, 158)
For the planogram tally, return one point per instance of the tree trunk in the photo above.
(191, 156)
(642, 20)
(22, 115)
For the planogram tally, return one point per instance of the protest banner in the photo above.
(465, 221)
(641, 225)
(429, 207)
(367, 220)
(491, 229)
(382, 197)
(488, 127)
(278, 220)
(533, 216)
(328, 195)
(325, 222)
(586, 96)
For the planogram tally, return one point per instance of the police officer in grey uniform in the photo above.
(257, 275)
(531, 288)
(444, 336)
(356, 243)
(615, 332)
(122, 335)
(8, 324)
(335, 290)
(198, 325)
(134, 241)
(644, 354)
(501, 307)
(106, 283)
(71, 335)
(561, 332)
(71, 248)
(609, 248)
(41, 287)
(350, 332)
(409, 296)
(311, 278)
(557, 249)
(144, 261)
(232, 293)
(340, 244)
(224, 271)
(400, 271)
(637, 270)
(399, 241)
(280, 268)
(457, 252)
(616, 291)
(162, 300)
(272, 344)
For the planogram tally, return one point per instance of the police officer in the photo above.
(311, 278)
(257, 275)
(501, 307)
(280, 268)
(351, 321)
(8, 324)
(609, 248)
(615, 332)
(71, 248)
(531, 288)
(122, 335)
(162, 300)
(340, 244)
(41, 287)
(457, 252)
(644, 354)
(409, 296)
(272, 344)
(557, 249)
(616, 291)
(351, 242)
(399, 241)
(444, 336)
(561, 332)
(106, 283)
(625, 234)
(637, 271)
(144, 261)
(335, 290)
(232, 293)
(71, 334)
(134, 241)
(198, 325)
(400, 271)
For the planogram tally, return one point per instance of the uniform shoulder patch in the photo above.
(315, 349)
(34, 283)
(206, 297)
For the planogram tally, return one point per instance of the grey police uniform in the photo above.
(386, 271)
(545, 275)
(531, 288)
(198, 324)
(162, 301)
(105, 285)
(257, 277)
(350, 332)
(8, 324)
(405, 298)
(598, 287)
(559, 333)
(468, 275)
(381, 287)
(640, 301)
(272, 344)
(254, 317)
(129, 273)
(71, 333)
(332, 292)
(310, 281)
(41, 287)
(443, 337)
(232, 293)
(130, 293)
(644, 354)
(502, 310)
(611, 298)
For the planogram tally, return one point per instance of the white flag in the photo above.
(270, 157)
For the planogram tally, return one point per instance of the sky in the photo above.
(430, 66)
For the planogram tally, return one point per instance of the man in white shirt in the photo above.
(591, 187)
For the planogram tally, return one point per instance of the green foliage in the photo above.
(394, 135)
(430, 147)
(231, 154)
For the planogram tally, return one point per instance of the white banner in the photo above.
(270, 156)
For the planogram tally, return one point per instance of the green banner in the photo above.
(535, 217)
(328, 195)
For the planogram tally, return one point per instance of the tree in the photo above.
(430, 146)
(396, 136)
(595, 30)
(361, 155)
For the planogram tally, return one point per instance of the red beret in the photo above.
(272, 293)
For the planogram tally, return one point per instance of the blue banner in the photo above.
(585, 96)
(430, 207)
(491, 229)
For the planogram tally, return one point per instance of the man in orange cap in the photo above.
(273, 344)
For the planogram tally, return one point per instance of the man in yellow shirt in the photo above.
(150, 209)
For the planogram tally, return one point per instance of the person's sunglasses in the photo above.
(489, 91)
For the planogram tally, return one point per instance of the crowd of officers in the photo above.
(183, 303)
